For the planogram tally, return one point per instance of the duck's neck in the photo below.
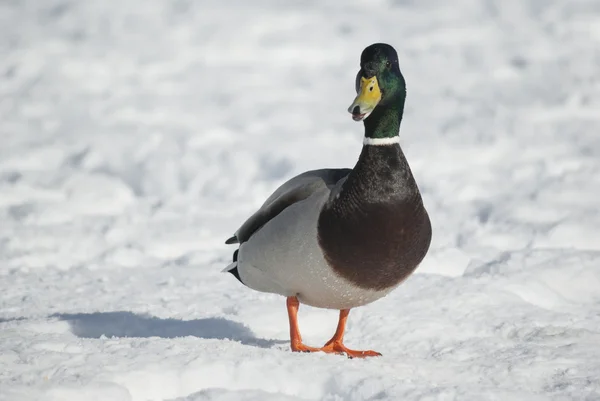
(382, 173)
(384, 122)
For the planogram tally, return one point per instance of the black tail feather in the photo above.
(234, 271)
(236, 274)
(232, 240)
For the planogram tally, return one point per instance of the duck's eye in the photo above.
(388, 64)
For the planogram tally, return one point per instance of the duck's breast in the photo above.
(376, 246)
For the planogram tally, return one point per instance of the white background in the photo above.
(136, 135)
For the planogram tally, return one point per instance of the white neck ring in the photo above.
(381, 141)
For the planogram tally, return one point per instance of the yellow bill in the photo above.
(368, 97)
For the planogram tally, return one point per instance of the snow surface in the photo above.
(136, 136)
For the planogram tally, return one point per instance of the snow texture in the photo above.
(136, 135)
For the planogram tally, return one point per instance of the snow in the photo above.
(136, 136)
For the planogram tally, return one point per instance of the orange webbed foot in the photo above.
(336, 347)
(299, 347)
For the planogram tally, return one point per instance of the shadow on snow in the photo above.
(128, 324)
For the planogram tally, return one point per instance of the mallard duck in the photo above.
(342, 238)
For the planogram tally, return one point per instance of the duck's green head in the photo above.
(379, 81)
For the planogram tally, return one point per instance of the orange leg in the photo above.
(335, 345)
(295, 338)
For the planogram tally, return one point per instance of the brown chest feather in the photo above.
(376, 246)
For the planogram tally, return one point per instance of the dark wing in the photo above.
(294, 190)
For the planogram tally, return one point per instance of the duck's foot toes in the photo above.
(339, 348)
(299, 347)
(334, 348)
